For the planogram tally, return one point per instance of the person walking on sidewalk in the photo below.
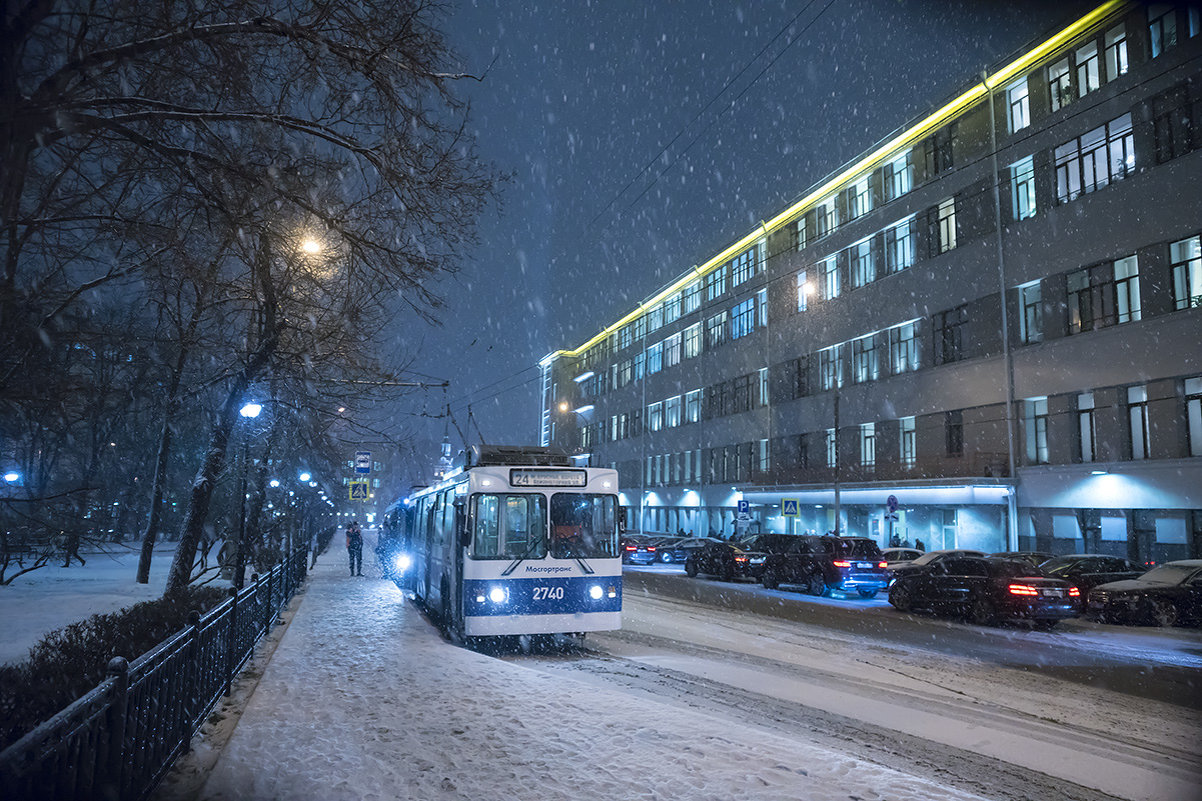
(354, 547)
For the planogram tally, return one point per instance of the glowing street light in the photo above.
(311, 246)
(305, 476)
(251, 409)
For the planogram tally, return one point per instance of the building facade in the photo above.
(986, 332)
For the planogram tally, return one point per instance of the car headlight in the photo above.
(595, 592)
(401, 563)
(498, 595)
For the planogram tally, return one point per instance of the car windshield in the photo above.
(583, 526)
(1168, 574)
(509, 527)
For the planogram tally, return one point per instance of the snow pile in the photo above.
(363, 699)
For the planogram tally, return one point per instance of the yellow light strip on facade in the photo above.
(908, 137)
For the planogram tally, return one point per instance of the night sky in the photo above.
(626, 170)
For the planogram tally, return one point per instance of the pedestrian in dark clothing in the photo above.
(354, 548)
(71, 548)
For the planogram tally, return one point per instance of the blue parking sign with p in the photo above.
(789, 507)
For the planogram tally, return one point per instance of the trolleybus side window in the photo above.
(583, 526)
(510, 527)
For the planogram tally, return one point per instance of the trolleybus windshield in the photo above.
(509, 527)
(583, 526)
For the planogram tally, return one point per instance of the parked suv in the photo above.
(724, 559)
(822, 563)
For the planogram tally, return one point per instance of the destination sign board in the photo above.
(548, 478)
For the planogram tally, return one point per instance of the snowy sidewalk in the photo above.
(363, 699)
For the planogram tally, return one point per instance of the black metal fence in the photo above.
(119, 740)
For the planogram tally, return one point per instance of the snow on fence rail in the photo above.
(119, 740)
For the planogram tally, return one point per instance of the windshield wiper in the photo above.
(521, 558)
(583, 565)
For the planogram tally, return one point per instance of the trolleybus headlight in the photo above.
(498, 595)
(401, 563)
(595, 592)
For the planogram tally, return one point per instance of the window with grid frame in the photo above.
(1060, 84)
(742, 319)
(859, 198)
(795, 378)
(949, 330)
(830, 367)
(899, 246)
(655, 358)
(741, 397)
(826, 217)
(1162, 27)
(863, 266)
(1173, 133)
(715, 330)
(1186, 259)
(953, 431)
(672, 408)
(1137, 417)
(1087, 440)
(690, 298)
(1116, 52)
(1103, 295)
(804, 290)
(672, 350)
(904, 350)
(1019, 100)
(907, 442)
(868, 445)
(865, 359)
(947, 225)
(1022, 188)
(831, 284)
(1030, 324)
(692, 341)
(655, 416)
(743, 266)
(1095, 159)
(715, 283)
(1192, 390)
(900, 176)
(1089, 71)
(692, 406)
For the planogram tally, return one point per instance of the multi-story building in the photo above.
(985, 332)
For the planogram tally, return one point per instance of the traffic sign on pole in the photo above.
(359, 491)
(790, 507)
(363, 462)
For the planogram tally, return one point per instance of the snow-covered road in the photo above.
(1003, 732)
(363, 699)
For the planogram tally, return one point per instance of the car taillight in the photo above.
(1023, 589)
(631, 548)
(1073, 592)
(882, 564)
(651, 547)
(740, 558)
(842, 564)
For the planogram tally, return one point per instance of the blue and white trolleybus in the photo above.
(518, 542)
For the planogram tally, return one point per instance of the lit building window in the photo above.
(1093, 161)
(865, 359)
(1137, 417)
(863, 267)
(908, 442)
(868, 445)
(1030, 324)
(900, 176)
(803, 290)
(1087, 444)
(904, 348)
(1035, 419)
(830, 277)
(1020, 105)
(1186, 258)
(899, 246)
(692, 341)
(860, 196)
(1022, 188)
(830, 367)
(1116, 52)
(1193, 414)
(1089, 75)
(1162, 27)
(1060, 84)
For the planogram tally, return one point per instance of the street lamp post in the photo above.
(249, 411)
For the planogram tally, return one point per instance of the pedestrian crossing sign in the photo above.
(789, 507)
(359, 490)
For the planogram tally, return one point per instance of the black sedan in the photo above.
(723, 559)
(1164, 596)
(987, 590)
(676, 550)
(1086, 571)
(638, 551)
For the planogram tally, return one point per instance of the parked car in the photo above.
(767, 544)
(931, 558)
(985, 589)
(724, 559)
(894, 556)
(638, 551)
(676, 550)
(1086, 571)
(819, 563)
(1164, 596)
(1036, 558)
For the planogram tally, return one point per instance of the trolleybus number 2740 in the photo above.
(548, 593)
